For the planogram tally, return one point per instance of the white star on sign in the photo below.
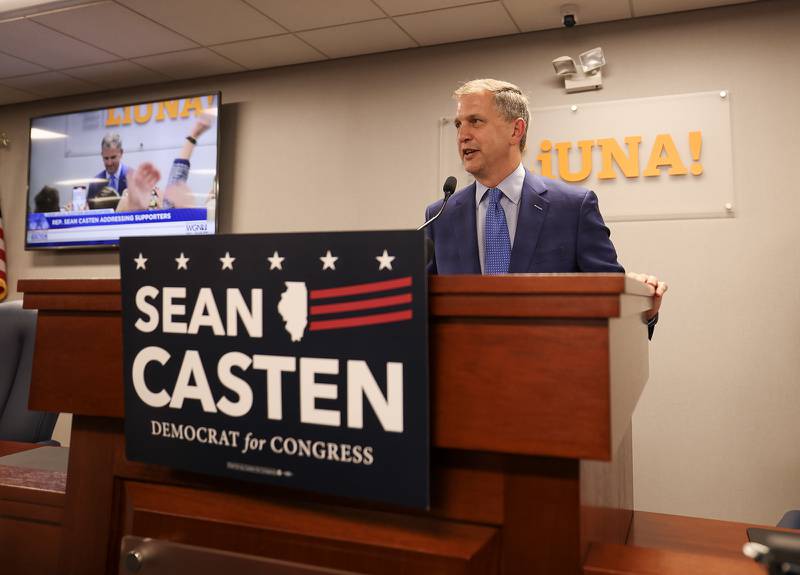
(182, 261)
(140, 261)
(227, 261)
(385, 260)
(328, 261)
(276, 261)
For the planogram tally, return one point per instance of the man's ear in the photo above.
(519, 130)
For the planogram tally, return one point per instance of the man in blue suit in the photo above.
(510, 220)
(115, 174)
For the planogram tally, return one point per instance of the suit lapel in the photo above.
(464, 228)
(532, 213)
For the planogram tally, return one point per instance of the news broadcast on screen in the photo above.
(145, 169)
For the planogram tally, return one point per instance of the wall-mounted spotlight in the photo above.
(588, 77)
(565, 66)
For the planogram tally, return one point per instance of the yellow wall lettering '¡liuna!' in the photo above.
(663, 154)
(143, 113)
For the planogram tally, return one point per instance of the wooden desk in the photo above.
(9, 447)
(660, 544)
(613, 559)
(689, 534)
(31, 509)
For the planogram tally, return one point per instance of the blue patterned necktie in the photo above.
(496, 243)
(112, 181)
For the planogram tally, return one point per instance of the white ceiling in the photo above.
(55, 48)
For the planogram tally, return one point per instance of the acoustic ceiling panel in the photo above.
(116, 74)
(269, 52)
(208, 21)
(362, 38)
(35, 43)
(50, 84)
(457, 24)
(546, 14)
(190, 64)
(11, 66)
(398, 7)
(115, 29)
(652, 7)
(308, 14)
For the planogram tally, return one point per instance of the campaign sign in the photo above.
(299, 360)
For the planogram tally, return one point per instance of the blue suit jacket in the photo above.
(559, 230)
(95, 188)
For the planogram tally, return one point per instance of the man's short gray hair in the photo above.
(111, 140)
(509, 100)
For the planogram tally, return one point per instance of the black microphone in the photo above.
(448, 188)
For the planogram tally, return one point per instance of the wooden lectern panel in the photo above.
(527, 391)
(146, 556)
(525, 384)
(561, 349)
(331, 536)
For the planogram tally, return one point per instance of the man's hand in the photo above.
(660, 288)
(140, 187)
(203, 123)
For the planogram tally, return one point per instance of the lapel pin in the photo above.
(538, 207)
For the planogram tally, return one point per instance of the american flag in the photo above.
(3, 280)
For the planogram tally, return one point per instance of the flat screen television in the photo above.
(141, 169)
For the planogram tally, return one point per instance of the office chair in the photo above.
(17, 339)
(790, 520)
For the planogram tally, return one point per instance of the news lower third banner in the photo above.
(104, 226)
(299, 360)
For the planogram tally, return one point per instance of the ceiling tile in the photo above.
(307, 14)
(457, 24)
(116, 29)
(35, 43)
(15, 8)
(116, 74)
(50, 84)
(10, 66)
(361, 38)
(651, 7)
(208, 21)
(546, 14)
(269, 52)
(12, 96)
(397, 7)
(189, 64)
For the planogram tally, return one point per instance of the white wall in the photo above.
(353, 144)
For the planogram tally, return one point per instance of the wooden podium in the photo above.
(533, 382)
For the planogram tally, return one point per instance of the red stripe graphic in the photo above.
(360, 320)
(361, 304)
(360, 288)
